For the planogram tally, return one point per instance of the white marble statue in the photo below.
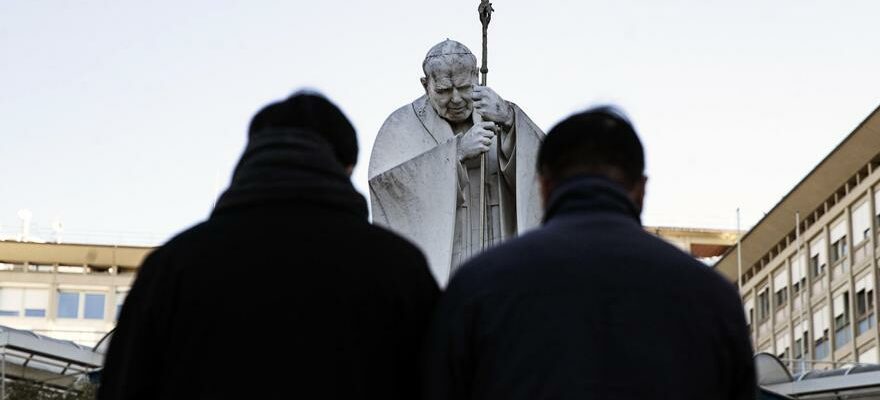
(425, 166)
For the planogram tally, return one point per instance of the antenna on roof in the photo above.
(25, 215)
(57, 228)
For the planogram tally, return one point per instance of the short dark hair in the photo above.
(598, 141)
(313, 112)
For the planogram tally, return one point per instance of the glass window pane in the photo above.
(817, 255)
(120, 300)
(68, 305)
(94, 308)
(35, 312)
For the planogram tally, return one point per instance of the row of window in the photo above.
(822, 327)
(820, 252)
(821, 349)
(838, 235)
(781, 296)
(817, 258)
(34, 303)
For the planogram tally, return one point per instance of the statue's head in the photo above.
(450, 74)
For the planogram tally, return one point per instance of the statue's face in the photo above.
(448, 86)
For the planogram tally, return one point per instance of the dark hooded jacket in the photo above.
(286, 291)
(589, 306)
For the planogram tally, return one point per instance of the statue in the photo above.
(425, 172)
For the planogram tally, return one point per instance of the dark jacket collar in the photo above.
(290, 166)
(589, 194)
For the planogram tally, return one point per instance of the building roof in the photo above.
(73, 254)
(853, 153)
(699, 242)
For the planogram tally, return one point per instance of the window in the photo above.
(36, 301)
(877, 209)
(749, 308)
(764, 305)
(841, 319)
(817, 256)
(820, 332)
(798, 277)
(865, 304)
(838, 241)
(781, 297)
(120, 300)
(68, 305)
(10, 302)
(841, 310)
(94, 306)
(751, 318)
(864, 295)
(27, 302)
(782, 346)
(801, 335)
(780, 285)
(85, 305)
(861, 222)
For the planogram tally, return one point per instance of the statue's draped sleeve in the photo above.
(414, 185)
(526, 141)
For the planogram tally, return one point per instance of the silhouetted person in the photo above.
(286, 291)
(589, 306)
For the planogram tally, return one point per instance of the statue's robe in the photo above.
(419, 189)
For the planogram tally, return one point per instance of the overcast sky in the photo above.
(124, 119)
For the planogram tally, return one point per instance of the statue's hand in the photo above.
(491, 106)
(476, 140)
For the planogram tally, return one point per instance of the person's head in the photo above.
(450, 74)
(311, 111)
(599, 141)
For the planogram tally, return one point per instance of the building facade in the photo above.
(65, 291)
(808, 270)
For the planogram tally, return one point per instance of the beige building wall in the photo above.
(808, 270)
(821, 289)
(66, 291)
